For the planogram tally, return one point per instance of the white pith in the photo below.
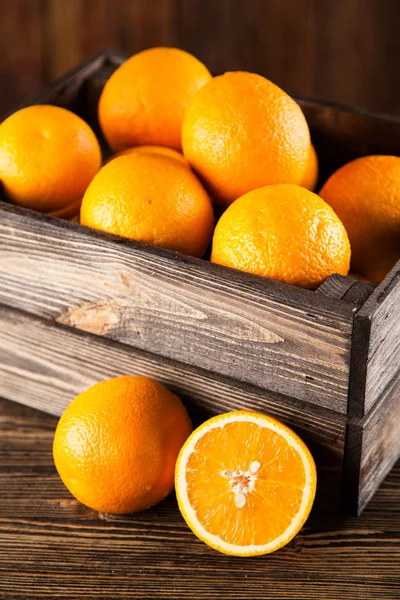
(242, 482)
(241, 490)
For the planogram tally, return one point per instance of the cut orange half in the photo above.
(245, 483)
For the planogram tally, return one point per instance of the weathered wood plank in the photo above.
(335, 286)
(54, 547)
(68, 362)
(373, 437)
(347, 289)
(381, 442)
(358, 364)
(283, 338)
(359, 293)
(383, 311)
(372, 448)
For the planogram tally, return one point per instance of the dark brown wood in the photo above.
(359, 293)
(21, 51)
(383, 310)
(69, 91)
(375, 355)
(276, 336)
(341, 134)
(347, 289)
(336, 286)
(69, 361)
(373, 436)
(372, 448)
(308, 47)
(53, 547)
(380, 442)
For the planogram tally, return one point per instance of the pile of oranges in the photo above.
(188, 147)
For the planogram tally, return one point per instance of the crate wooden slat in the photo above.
(181, 308)
(68, 361)
(384, 349)
(375, 446)
(81, 305)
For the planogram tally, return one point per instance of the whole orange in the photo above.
(116, 444)
(310, 177)
(48, 156)
(242, 132)
(365, 194)
(144, 100)
(152, 150)
(282, 232)
(150, 198)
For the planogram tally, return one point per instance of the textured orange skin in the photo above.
(282, 232)
(242, 132)
(365, 194)
(152, 150)
(144, 101)
(311, 175)
(150, 198)
(116, 444)
(48, 157)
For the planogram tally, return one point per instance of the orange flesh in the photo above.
(278, 483)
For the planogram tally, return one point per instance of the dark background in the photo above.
(342, 50)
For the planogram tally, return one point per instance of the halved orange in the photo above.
(245, 483)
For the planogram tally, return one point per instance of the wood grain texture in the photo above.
(53, 547)
(133, 25)
(70, 361)
(279, 337)
(21, 63)
(383, 311)
(380, 442)
(308, 47)
(359, 293)
(372, 448)
(373, 436)
(347, 289)
(336, 286)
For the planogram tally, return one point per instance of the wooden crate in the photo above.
(79, 305)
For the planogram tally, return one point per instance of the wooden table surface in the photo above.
(53, 547)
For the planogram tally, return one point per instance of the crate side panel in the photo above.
(383, 309)
(288, 340)
(45, 365)
(380, 443)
